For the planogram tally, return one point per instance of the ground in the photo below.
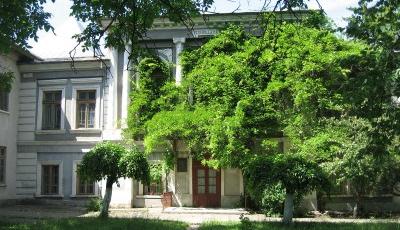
(171, 218)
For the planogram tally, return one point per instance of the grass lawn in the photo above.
(299, 226)
(95, 224)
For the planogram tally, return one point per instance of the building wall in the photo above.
(8, 127)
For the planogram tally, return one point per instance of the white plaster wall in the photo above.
(8, 129)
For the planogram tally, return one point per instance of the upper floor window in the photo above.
(2, 165)
(4, 100)
(51, 115)
(86, 108)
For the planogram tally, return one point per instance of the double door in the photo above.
(206, 186)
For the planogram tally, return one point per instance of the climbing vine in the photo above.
(6, 80)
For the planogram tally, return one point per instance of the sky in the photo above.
(59, 44)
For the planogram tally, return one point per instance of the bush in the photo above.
(94, 205)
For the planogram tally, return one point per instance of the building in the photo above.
(57, 113)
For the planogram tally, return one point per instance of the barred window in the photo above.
(51, 116)
(86, 108)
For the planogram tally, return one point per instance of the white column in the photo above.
(125, 89)
(113, 88)
(178, 50)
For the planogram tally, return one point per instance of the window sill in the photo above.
(5, 112)
(84, 196)
(49, 196)
(91, 131)
(3, 185)
(149, 196)
(61, 131)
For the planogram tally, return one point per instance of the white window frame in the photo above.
(39, 177)
(74, 175)
(73, 114)
(40, 108)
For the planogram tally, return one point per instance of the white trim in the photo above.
(60, 131)
(39, 177)
(52, 82)
(5, 112)
(72, 116)
(74, 174)
(40, 106)
(97, 80)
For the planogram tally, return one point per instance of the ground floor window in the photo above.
(154, 188)
(84, 187)
(2, 165)
(50, 177)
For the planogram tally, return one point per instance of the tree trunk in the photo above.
(357, 209)
(288, 208)
(107, 199)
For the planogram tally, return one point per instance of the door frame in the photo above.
(206, 199)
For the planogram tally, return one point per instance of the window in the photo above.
(84, 187)
(2, 165)
(86, 108)
(51, 114)
(155, 188)
(4, 100)
(50, 179)
(182, 165)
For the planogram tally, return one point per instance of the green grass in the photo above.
(96, 224)
(298, 226)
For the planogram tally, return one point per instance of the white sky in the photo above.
(59, 44)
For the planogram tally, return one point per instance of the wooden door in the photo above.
(206, 186)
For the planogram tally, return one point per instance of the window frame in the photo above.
(97, 118)
(39, 120)
(74, 183)
(39, 174)
(7, 109)
(4, 172)
(178, 169)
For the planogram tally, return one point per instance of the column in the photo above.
(125, 88)
(178, 50)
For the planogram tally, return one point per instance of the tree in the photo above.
(110, 161)
(296, 174)
(19, 21)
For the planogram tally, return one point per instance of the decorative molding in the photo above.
(52, 82)
(86, 80)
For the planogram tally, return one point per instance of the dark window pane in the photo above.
(86, 105)
(51, 113)
(50, 179)
(182, 165)
(4, 100)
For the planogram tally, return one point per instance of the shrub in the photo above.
(94, 204)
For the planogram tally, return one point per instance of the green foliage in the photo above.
(111, 161)
(6, 80)
(20, 21)
(296, 174)
(94, 224)
(147, 96)
(134, 165)
(94, 205)
(129, 20)
(102, 162)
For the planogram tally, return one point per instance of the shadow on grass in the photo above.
(96, 224)
(298, 226)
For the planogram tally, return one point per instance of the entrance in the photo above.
(206, 186)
